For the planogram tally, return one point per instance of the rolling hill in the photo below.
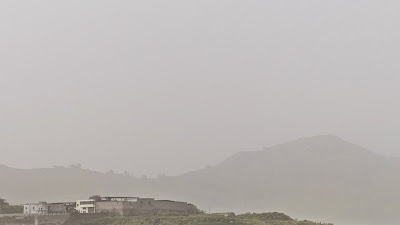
(322, 178)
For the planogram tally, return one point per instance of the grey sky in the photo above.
(171, 86)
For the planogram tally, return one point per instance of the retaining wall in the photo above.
(143, 207)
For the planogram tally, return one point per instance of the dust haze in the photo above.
(231, 105)
(174, 86)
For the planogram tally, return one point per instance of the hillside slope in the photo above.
(317, 177)
(322, 178)
(202, 219)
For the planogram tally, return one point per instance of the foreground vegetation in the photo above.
(202, 219)
(6, 208)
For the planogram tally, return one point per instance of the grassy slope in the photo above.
(249, 219)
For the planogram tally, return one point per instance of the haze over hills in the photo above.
(321, 178)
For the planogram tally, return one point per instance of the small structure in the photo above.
(226, 214)
(44, 208)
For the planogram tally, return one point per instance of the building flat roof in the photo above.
(118, 197)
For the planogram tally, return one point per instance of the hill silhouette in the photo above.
(322, 178)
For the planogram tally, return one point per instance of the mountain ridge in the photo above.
(322, 177)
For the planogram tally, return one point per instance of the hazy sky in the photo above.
(171, 86)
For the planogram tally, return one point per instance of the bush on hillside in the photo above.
(271, 216)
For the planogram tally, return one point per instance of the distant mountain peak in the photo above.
(321, 141)
(325, 137)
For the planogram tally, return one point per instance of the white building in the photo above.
(44, 208)
(85, 206)
(36, 208)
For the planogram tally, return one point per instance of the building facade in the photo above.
(85, 206)
(36, 208)
(44, 208)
